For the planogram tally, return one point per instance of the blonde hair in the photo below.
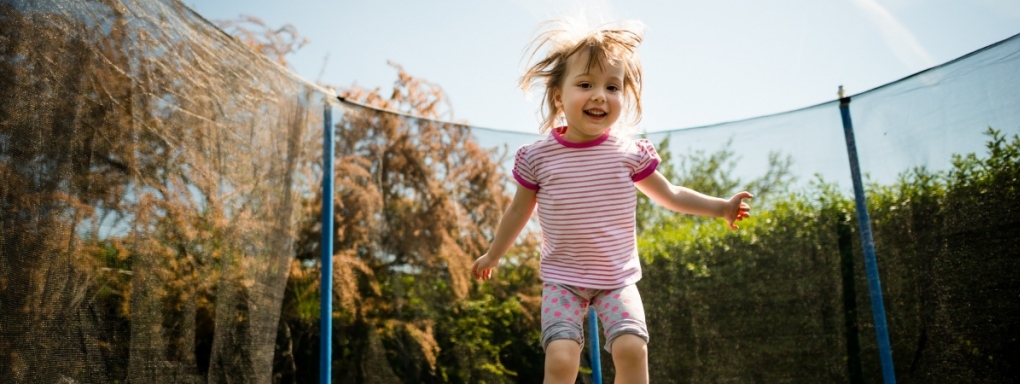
(615, 43)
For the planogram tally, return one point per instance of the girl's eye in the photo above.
(584, 85)
(613, 88)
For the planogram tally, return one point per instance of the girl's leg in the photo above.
(630, 356)
(623, 319)
(563, 311)
(562, 358)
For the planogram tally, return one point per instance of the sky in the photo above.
(704, 61)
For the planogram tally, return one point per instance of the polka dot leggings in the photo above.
(564, 308)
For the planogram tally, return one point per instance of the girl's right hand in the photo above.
(482, 269)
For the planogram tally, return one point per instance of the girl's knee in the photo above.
(630, 355)
(563, 351)
(630, 347)
(562, 358)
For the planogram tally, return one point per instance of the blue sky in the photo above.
(704, 61)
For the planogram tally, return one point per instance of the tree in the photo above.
(710, 173)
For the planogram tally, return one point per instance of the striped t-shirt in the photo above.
(586, 206)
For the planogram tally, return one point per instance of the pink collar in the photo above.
(558, 133)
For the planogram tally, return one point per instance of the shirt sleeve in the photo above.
(648, 160)
(523, 171)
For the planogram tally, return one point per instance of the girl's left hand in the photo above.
(737, 209)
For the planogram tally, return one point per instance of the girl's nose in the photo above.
(597, 96)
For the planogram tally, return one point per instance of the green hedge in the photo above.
(766, 303)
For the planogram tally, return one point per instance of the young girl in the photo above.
(582, 177)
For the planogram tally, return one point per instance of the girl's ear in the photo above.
(556, 100)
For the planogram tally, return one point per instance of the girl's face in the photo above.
(591, 101)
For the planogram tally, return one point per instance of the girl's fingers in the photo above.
(744, 195)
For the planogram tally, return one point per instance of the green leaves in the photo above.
(772, 291)
(709, 173)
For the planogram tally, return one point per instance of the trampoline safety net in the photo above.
(160, 194)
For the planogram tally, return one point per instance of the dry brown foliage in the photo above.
(274, 43)
(148, 192)
(159, 203)
(415, 201)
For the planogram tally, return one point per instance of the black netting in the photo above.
(777, 306)
(159, 222)
(151, 170)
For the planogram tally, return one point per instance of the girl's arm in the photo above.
(685, 200)
(510, 225)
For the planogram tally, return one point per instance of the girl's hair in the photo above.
(615, 43)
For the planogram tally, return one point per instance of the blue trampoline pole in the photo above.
(593, 334)
(326, 261)
(868, 246)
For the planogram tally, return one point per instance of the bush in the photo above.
(767, 303)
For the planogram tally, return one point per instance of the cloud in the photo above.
(901, 41)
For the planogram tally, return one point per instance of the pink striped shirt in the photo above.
(586, 206)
